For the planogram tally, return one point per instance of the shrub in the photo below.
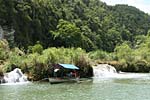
(38, 48)
(1, 72)
(83, 62)
(102, 55)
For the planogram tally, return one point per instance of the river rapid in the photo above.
(110, 86)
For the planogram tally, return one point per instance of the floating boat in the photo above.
(64, 73)
(63, 80)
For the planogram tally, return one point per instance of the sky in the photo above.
(143, 5)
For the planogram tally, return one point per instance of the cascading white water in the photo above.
(104, 70)
(108, 71)
(15, 76)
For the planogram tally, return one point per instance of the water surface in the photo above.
(117, 88)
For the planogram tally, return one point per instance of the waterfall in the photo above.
(15, 76)
(103, 71)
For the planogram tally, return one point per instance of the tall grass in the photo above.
(37, 63)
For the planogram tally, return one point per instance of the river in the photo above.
(126, 87)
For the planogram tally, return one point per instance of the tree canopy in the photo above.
(89, 24)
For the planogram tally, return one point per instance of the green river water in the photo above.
(98, 89)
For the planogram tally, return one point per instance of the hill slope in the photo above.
(89, 24)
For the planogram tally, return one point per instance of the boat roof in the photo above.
(69, 66)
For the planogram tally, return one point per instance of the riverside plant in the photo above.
(37, 63)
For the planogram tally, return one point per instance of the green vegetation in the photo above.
(126, 57)
(37, 63)
(88, 24)
(45, 32)
(135, 59)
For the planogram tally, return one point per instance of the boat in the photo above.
(63, 80)
(64, 73)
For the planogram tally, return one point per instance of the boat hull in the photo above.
(59, 80)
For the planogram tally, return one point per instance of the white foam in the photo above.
(105, 71)
(15, 77)
(18, 83)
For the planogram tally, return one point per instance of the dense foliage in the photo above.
(89, 24)
(125, 57)
(47, 32)
(38, 62)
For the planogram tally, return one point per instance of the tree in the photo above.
(69, 35)
(124, 52)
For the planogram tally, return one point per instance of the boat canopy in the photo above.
(69, 66)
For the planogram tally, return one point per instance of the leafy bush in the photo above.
(2, 54)
(38, 48)
(83, 62)
(101, 55)
(37, 65)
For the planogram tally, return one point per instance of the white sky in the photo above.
(143, 5)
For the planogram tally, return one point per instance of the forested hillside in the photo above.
(89, 24)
